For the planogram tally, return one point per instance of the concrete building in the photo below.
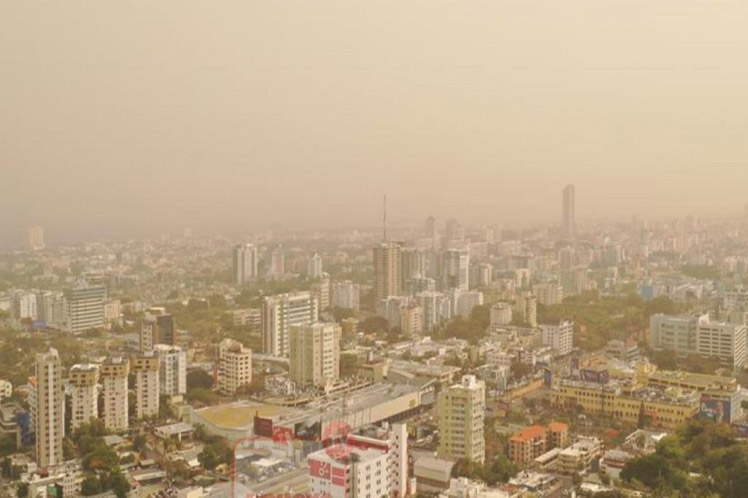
(559, 337)
(526, 308)
(548, 293)
(50, 409)
(533, 441)
(113, 376)
(322, 292)
(315, 354)
(456, 269)
(580, 455)
(245, 263)
(157, 328)
(277, 263)
(500, 315)
(234, 366)
(568, 211)
(84, 394)
(436, 309)
(362, 467)
(314, 267)
(281, 312)
(461, 409)
(145, 368)
(172, 369)
(35, 238)
(466, 301)
(6, 388)
(698, 334)
(84, 308)
(346, 295)
(411, 319)
(387, 268)
(413, 264)
(51, 308)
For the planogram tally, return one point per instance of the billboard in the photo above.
(597, 376)
(263, 427)
(715, 410)
(319, 469)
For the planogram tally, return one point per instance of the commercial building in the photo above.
(279, 313)
(698, 334)
(84, 308)
(387, 268)
(145, 368)
(113, 375)
(49, 413)
(245, 263)
(461, 409)
(157, 328)
(172, 369)
(314, 267)
(83, 380)
(559, 337)
(315, 354)
(362, 466)
(234, 366)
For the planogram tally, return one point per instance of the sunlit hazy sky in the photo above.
(122, 117)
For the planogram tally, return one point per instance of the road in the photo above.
(295, 481)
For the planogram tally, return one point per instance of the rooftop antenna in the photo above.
(384, 218)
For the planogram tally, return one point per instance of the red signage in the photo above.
(320, 470)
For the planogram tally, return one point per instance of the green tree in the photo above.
(199, 378)
(90, 486)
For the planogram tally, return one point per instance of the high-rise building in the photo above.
(560, 336)
(277, 263)
(411, 319)
(548, 293)
(461, 409)
(50, 306)
(456, 269)
(84, 308)
(234, 366)
(25, 305)
(430, 228)
(279, 313)
(145, 368)
(466, 301)
(314, 267)
(485, 274)
(315, 354)
(245, 263)
(436, 309)
(526, 307)
(346, 295)
(568, 215)
(158, 328)
(84, 394)
(500, 315)
(322, 292)
(113, 375)
(412, 264)
(172, 373)
(50, 409)
(386, 270)
(35, 236)
(362, 466)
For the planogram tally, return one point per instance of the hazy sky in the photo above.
(117, 115)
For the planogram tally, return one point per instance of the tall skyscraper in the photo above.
(568, 217)
(234, 366)
(461, 409)
(35, 239)
(84, 399)
(412, 264)
(147, 384)
(172, 372)
(158, 328)
(386, 270)
(113, 374)
(315, 354)
(84, 307)
(245, 263)
(279, 313)
(346, 295)
(50, 409)
(314, 267)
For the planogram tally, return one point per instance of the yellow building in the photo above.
(662, 407)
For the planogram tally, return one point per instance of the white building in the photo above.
(35, 236)
(560, 337)
(436, 309)
(466, 301)
(83, 380)
(456, 269)
(362, 467)
(146, 368)
(25, 306)
(279, 313)
(113, 375)
(315, 354)
(50, 409)
(245, 263)
(172, 369)
(548, 293)
(500, 315)
(314, 267)
(234, 366)
(84, 308)
(346, 295)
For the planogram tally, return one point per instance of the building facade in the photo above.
(234, 366)
(113, 375)
(315, 354)
(461, 409)
(50, 409)
(281, 312)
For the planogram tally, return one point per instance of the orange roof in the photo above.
(557, 427)
(529, 433)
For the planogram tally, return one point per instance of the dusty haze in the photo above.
(130, 117)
